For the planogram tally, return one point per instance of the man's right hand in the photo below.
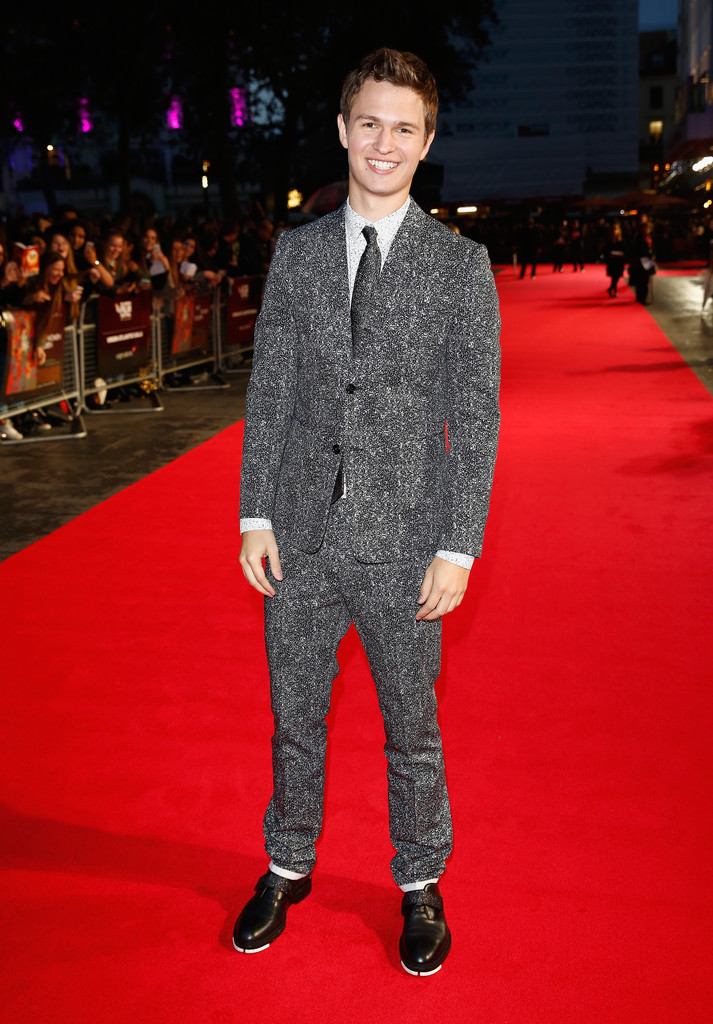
(254, 546)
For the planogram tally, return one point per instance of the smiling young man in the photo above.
(379, 326)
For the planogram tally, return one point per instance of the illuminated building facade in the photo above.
(657, 104)
(554, 104)
(691, 153)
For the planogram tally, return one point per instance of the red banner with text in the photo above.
(242, 310)
(123, 333)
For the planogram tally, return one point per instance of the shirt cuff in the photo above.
(255, 524)
(464, 561)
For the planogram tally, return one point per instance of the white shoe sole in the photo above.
(259, 949)
(421, 974)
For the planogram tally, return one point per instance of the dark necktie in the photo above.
(362, 298)
(364, 283)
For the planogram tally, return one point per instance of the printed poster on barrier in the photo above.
(201, 322)
(191, 324)
(243, 306)
(123, 334)
(49, 372)
(33, 369)
(183, 313)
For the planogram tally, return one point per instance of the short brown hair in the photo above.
(398, 68)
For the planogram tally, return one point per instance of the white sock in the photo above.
(414, 886)
(284, 872)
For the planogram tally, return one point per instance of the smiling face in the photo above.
(114, 247)
(55, 272)
(60, 244)
(149, 240)
(385, 139)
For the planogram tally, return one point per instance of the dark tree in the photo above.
(302, 56)
(50, 62)
(129, 60)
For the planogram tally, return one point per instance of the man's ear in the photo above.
(342, 131)
(427, 146)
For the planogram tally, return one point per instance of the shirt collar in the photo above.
(386, 227)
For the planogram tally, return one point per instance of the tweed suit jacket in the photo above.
(430, 357)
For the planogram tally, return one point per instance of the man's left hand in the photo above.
(442, 590)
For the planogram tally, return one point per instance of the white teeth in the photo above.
(382, 165)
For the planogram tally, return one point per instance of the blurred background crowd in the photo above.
(80, 256)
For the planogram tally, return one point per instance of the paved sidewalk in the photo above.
(46, 484)
(678, 310)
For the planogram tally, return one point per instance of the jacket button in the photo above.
(350, 389)
(335, 449)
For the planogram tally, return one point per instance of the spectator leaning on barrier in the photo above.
(213, 270)
(12, 281)
(45, 294)
(229, 245)
(178, 275)
(94, 274)
(112, 263)
(77, 234)
(203, 275)
(128, 251)
(175, 279)
(188, 267)
(59, 242)
(152, 262)
(48, 291)
(72, 283)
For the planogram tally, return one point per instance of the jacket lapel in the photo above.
(399, 270)
(335, 276)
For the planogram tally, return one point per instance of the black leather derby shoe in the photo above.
(425, 939)
(264, 916)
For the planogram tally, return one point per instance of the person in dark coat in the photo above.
(615, 258)
(575, 247)
(529, 247)
(641, 262)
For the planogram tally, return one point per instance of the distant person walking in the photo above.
(575, 247)
(642, 266)
(615, 258)
(559, 249)
(529, 247)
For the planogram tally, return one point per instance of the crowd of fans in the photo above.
(84, 256)
(80, 257)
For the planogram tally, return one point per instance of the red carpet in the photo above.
(576, 708)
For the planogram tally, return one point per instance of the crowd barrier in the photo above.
(28, 385)
(128, 342)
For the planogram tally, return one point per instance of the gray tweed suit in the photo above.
(430, 356)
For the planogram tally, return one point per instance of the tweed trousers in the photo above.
(320, 596)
